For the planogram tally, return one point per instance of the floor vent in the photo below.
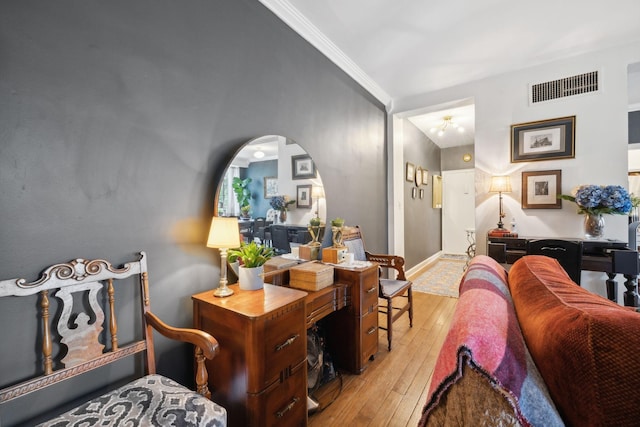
(561, 88)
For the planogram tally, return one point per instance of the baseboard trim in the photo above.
(417, 269)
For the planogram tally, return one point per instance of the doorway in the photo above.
(458, 209)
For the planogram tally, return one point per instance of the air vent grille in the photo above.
(568, 86)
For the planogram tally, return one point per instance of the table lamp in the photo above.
(500, 184)
(224, 234)
(317, 192)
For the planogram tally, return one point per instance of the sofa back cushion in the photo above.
(586, 347)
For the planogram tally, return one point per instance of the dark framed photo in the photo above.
(540, 189)
(270, 186)
(411, 172)
(302, 167)
(421, 193)
(543, 140)
(303, 196)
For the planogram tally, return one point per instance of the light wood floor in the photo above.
(393, 389)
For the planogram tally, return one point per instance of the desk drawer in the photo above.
(369, 336)
(284, 403)
(369, 296)
(284, 345)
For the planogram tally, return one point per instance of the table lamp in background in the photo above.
(500, 184)
(224, 234)
(317, 192)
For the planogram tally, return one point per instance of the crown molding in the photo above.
(291, 16)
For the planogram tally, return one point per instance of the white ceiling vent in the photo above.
(561, 88)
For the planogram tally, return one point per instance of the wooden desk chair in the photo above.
(388, 289)
(567, 252)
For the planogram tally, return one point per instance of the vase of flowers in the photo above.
(594, 201)
(281, 204)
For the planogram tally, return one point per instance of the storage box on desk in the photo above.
(311, 276)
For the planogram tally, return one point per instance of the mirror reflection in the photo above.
(272, 180)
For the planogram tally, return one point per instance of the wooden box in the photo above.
(311, 276)
(279, 263)
(333, 255)
(309, 253)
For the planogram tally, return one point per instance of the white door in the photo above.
(458, 209)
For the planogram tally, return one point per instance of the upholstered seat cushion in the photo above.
(391, 287)
(148, 401)
(586, 347)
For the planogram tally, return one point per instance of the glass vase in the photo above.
(593, 226)
(283, 217)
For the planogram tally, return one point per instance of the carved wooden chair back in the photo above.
(395, 288)
(83, 280)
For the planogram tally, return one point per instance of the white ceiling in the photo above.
(407, 47)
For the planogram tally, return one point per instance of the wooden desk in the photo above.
(260, 375)
(597, 255)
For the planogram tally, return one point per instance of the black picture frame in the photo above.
(303, 196)
(540, 189)
(543, 140)
(302, 167)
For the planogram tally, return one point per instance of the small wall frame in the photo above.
(540, 189)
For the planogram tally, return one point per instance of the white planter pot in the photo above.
(250, 279)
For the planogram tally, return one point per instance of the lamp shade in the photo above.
(500, 184)
(224, 233)
(317, 192)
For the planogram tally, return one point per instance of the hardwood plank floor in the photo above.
(393, 389)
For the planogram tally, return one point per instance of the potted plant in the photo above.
(251, 257)
(243, 195)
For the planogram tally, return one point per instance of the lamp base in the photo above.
(222, 291)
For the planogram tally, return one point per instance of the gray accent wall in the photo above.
(452, 158)
(634, 127)
(116, 118)
(422, 223)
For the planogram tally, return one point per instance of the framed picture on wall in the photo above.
(302, 167)
(270, 186)
(303, 196)
(540, 189)
(425, 177)
(411, 172)
(414, 192)
(543, 140)
(418, 177)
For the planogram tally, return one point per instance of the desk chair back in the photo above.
(392, 289)
(567, 252)
(280, 239)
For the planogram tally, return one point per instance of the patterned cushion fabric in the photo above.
(586, 347)
(153, 400)
(484, 374)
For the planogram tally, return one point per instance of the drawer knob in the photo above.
(288, 342)
(371, 290)
(287, 408)
(371, 330)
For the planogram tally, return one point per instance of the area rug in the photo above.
(443, 277)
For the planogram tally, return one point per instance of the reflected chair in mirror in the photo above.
(260, 230)
(246, 230)
(391, 290)
(567, 252)
(280, 239)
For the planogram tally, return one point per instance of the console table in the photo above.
(608, 256)
(260, 375)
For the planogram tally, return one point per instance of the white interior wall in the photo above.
(601, 140)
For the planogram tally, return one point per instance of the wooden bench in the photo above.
(150, 400)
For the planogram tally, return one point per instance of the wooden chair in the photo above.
(567, 252)
(389, 289)
(83, 348)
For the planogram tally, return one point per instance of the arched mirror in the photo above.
(267, 169)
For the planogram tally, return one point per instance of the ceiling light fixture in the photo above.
(258, 154)
(447, 121)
